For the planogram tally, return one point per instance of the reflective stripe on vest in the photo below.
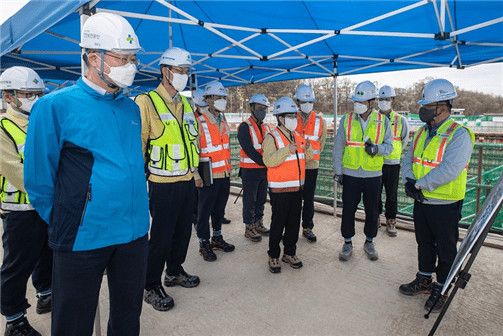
(311, 130)
(13, 199)
(174, 153)
(215, 145)
(354, 152)
(426, 159)
(292, 172)
(257, 137)
(396, 128)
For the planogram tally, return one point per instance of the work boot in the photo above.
(391, 227)
(370, 249)
(292, 260)
(20, 327)
(308, 233)
(220, 244)
(260, 228)
(158, 298)
(347, 251)
(182, 279)
(422, 284)
(251, 234)
(205, 249)
(226, 221)
(435, 293)
(44, 304)
(274, 266)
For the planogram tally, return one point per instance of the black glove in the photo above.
(371, 149)
(338, 179)
(411, 191)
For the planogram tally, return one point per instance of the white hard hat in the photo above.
(305, 93)
(215, 88)
(438, 90)
(177, 57)
(259, 99)
(364, 91)
(111, 32)
(21, 78)
(386, 92)
(284, 105)
(197, 97)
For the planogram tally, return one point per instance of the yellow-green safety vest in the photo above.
(426, 159)
(354, 152)
(12, 198)
(395, 121)
(174, 153)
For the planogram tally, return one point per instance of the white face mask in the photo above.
(384, 105)
(179, 82)
(291, 124)
(220, 104)
(360, 108)
(123, 76)
(27, 104)
(306, 107)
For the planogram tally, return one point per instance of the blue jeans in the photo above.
(254, 198)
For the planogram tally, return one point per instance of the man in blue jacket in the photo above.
(84, 174)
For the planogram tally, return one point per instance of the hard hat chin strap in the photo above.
(102, 72)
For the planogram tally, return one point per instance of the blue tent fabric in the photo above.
(211, 30)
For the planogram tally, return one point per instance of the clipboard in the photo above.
(205, 171)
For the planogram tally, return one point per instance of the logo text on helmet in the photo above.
(92, 36)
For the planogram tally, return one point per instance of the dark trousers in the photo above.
(254, 199)
(437, 233)
(212, 202)
(352, 190)
(171, 207)
(286, 208)
(77, 277)
(25, 253)
(390, 175)
(308, 197)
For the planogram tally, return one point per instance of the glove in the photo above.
(411, 191)
(371, 149)
(338, 179)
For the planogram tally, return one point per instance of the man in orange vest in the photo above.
(314, 128)
(285, 154)
(363, 140)
(215, 146)
(252, 170)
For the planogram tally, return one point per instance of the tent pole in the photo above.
(335, 131)
(170, 29)
(83, 18)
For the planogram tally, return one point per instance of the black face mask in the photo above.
(427, 115)
(259, 113)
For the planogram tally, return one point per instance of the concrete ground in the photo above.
(239, 296)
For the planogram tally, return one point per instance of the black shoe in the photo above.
(310, 236)
(435, 293)
(20, 327)
(422, 284)
(182, 279)
(226, 221)
(44, 304)
(205, 249)
(158, 298)
(220, 244)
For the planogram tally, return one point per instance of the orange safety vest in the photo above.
(292, 172)
(312, 131)
(257, 137)
(215, 145)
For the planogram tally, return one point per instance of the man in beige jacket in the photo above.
(26, 251)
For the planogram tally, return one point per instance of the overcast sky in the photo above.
(487, 78)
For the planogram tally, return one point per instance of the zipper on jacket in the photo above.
(88, 198)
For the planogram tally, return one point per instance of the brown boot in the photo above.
(252, 234)
(260, 228)
(391, 227)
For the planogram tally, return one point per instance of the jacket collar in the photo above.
(84, 86)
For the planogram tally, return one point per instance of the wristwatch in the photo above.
(417, 186)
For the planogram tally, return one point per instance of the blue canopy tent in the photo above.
(245, 42)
